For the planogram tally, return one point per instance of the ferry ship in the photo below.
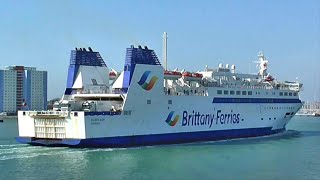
(147, 104)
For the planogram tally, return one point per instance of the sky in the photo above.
(41, 33)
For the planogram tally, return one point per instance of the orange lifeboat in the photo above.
(174, 75)
(192, 76)
(186, 74)
(197, 75)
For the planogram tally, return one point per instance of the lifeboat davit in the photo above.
(174, 75)
(192, 76)
(112, 75)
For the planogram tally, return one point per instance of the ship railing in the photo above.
(196, 92)
(117, 91)
(48, 113)
(104, 91)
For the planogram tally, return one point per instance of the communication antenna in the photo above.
(165, 37)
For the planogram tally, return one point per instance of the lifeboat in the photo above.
(192, 76)
(187, 76)
(197, 75)
(112, 75)
(174, 75)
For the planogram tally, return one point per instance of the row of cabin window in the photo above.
(268, 108)
(286, 94)
(234, 92)
(250, 93)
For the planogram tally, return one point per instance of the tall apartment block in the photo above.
(22, 88)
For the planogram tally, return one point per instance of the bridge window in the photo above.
(170, 101)
(290, 94)
(244, 92)
(295, 94)
(219, 92)
(148, 101)
(238, 92)
(281, 93)
(285, 94)
(249, 92)
(232, 92)
(225, 92)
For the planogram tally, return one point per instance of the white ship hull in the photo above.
(199, 119)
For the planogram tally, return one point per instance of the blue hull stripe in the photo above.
(154, 139)
(254, 100)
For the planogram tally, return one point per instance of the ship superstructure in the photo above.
(147, 104)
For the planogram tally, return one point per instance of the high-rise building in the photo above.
(22, 88)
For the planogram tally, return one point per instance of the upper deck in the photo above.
(92, 88)
(225, 81)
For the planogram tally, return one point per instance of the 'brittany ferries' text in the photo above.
(198, 119)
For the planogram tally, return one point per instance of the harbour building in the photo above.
(22, 88)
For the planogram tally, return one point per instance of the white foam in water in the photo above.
(24, 152)
(11, 145)
(18, 149)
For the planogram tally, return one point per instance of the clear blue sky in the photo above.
(206, 32)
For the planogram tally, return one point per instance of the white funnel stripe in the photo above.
(78, 83)
(119, 82)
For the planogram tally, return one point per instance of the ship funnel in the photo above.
(137, 56)
(88, 65)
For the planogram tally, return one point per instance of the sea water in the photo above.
(294, 154)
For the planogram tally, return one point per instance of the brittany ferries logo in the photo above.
(196, 118)
(170, 121)
(147, 86)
